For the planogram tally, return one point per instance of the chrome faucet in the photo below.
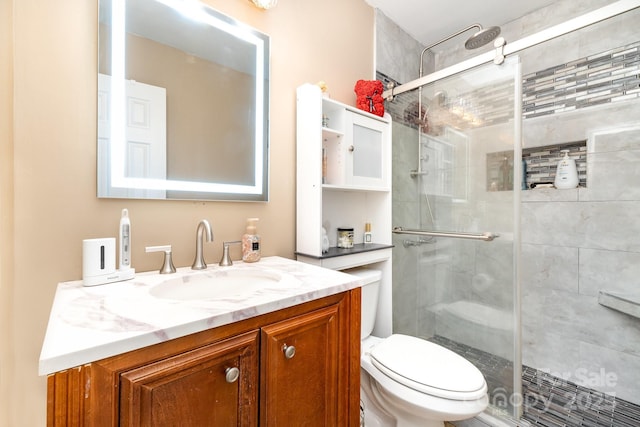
(203, 226)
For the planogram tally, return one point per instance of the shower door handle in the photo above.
(486, 236)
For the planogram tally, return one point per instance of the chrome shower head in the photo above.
(482, 37)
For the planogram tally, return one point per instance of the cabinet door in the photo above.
(368, 149)
(301, 371)
(198, 388)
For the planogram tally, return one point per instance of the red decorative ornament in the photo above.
(369, 96)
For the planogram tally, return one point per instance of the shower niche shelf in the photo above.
(343, 180)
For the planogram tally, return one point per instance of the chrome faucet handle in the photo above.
(167, 265)
(203, 227)
(225, 261)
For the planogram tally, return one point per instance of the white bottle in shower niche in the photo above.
(566, 174)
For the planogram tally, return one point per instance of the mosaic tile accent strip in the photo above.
(549, 401)
(400, 104)
(609, 76)
(490, 104)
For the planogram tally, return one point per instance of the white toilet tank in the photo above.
(370, 290)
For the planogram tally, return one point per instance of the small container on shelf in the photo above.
(345, 238)
(367, 237)
(324, 165)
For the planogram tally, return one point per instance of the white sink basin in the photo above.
(218, 284)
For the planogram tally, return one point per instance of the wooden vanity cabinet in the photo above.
(210, 386)
(301, 373)
(297, 366)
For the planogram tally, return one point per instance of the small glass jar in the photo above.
(345, 238)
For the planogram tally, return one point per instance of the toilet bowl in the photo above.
(407, 381)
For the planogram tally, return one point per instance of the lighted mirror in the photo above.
(183, 96)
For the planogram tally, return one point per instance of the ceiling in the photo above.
(429, 21)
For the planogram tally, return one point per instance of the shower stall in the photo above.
(456, 237)
(518, 282)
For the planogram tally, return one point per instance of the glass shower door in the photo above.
(455, 259)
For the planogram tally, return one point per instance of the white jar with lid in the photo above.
(345, 238)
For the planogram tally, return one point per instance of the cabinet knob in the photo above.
(351, 148)
(232, 374)
(289, 351)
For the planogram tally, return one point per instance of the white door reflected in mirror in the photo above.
(146, 138)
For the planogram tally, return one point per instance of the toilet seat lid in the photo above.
(428, 368)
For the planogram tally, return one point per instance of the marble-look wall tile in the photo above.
(613, 170)
(619, 139)
(580, 124)
(612, 225)
(405, 159)
(397, 53)
(549, 195)
(405, 213)
(555, 13)
(581, 318)
(546, 267)
(492, 280)
(438, 279)
(616, 31)
(404, 288)
(541, 348)
(609, 270)
(479, 328)
(609, 371)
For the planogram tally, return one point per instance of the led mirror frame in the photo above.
(218, 191)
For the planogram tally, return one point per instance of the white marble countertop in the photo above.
(90, 323)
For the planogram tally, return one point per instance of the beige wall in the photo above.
(49, 133)
(203, 98)
(6, 207)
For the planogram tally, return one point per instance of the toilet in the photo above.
(409, 382)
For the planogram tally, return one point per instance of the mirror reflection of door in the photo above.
(146, 137)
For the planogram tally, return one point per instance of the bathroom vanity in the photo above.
(165, 350)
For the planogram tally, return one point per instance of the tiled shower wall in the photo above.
(574, 242)
(578, 242)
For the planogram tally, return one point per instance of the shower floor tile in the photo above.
(548, 401)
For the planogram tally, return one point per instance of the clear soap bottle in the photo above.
(251, 242)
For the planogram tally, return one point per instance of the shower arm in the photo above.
(478, 26)
(419, 171)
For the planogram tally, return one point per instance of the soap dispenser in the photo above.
(251, 242)
(567, 173)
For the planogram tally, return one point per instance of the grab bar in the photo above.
(486, 236)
